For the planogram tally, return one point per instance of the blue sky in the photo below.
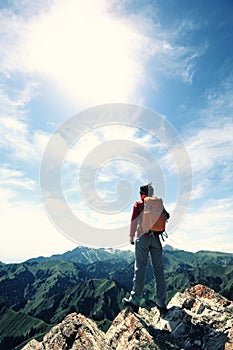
(60, 58)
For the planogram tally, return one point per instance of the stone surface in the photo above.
(128, 332)
(32, 345)
(74, 332)
(198, 319)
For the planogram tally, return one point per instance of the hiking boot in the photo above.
(162, 309)
(132, 307)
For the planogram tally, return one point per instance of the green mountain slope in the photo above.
(28, 283)
(98, 298)
(49, 290)
(42, 291)
(16, 327)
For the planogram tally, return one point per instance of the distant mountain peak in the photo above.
(87, 255)
(199, 318)
(169, 247)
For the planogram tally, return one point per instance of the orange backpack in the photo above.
(153, 217)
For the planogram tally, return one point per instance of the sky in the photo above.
(100, 97)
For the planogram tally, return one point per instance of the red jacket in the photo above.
(137, 209)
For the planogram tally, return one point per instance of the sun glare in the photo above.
(84, 51)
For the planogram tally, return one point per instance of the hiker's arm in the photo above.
(134, 222)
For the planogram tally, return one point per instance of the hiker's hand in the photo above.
(132, 241)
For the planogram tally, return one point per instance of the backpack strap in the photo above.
(164, 234)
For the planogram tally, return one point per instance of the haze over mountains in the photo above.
(41, 292)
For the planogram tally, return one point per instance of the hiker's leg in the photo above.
(141, 258)
(157, 264)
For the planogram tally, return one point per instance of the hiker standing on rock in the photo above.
(147, 223)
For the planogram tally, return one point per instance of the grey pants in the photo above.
(143, 246)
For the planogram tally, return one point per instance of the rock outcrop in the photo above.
(197, 319)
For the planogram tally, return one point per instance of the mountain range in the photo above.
(37, 294)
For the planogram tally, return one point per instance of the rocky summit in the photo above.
(197, 319)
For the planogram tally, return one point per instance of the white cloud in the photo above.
(17, 139)
(211, 147)
(98, 136)
(208, 228)
(19, 142)
(113, 162)
(27, 232)
(102, 220)
(209, 140)
(13, 107)
(163, 49)
(14, 138)
(174, 60)
(16, 179)
(219, 99)
(200, 189)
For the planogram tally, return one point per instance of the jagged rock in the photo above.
(74, 332)
(208, 319)
(32, 345)
(198, 319)
(128, 332)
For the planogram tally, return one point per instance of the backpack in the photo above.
(153, 217)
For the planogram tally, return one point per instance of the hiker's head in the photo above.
(147, 190)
